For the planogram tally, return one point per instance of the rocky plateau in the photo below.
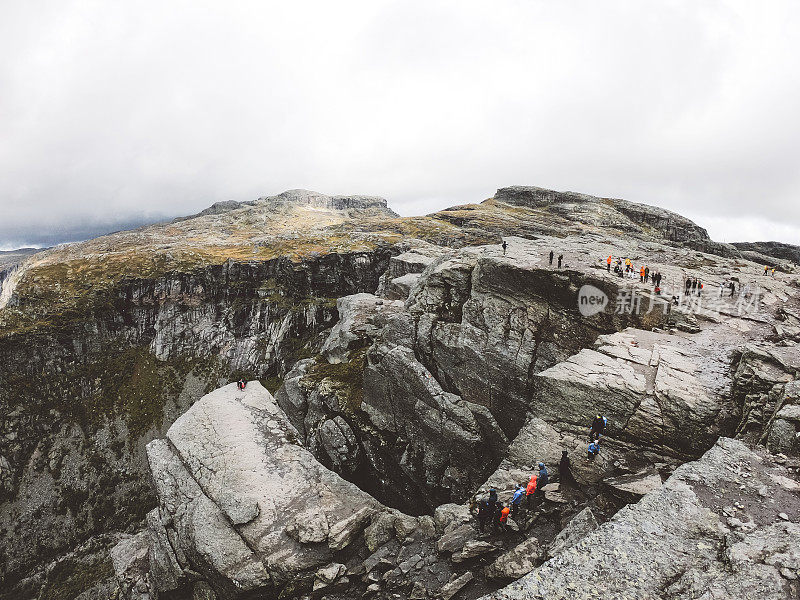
(397, 369)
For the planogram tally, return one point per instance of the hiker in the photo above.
(646, 274)
(560, 258)
(657, 291)
(598, 427)
(564, 470)
(733, 289)
(608, 263)
(551, 258)
(484, 513)
(241, 384)
(658, 274)
(503, 515)
(593, 449)
(699, 287)
(530, 491)
(773, 271)
(544, 477)
(766, 268)
(492, 496)
(721, 288)
(516, 499)
(505, 245)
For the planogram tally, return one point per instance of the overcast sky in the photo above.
(117, 113)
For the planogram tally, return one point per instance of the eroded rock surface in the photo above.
(679, 542)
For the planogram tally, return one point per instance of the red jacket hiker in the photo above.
(531, 489)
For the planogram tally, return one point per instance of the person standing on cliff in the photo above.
(530, 490)
(560, 258)
(505, 245)
(551, 258)
(598, 427)
(565, 470)
(485, 510)
(544, 476)
(504, 510)
(516, 499)
(608, 263)
(593, 449)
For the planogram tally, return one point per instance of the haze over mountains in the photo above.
(44, 237)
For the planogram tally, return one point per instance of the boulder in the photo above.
(234, 487)
(451, 588)
(455, 539)
(518, 561)
(581, 525)
(473, 549)
(632, 487)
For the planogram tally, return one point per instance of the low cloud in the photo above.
(115, 114)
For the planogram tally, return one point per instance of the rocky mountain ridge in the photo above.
(414, 362)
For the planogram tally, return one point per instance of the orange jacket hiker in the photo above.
(531, 489)
(504, 514)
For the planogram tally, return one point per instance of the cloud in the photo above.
(116, 113)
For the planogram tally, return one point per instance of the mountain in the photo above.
(397, 367)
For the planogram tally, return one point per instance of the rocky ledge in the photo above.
(725, 526)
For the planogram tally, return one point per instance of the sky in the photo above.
(114, 114)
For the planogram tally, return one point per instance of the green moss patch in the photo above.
(69, 578)
(347, 379)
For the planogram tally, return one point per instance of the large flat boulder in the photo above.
(245, 505)
(661, 392)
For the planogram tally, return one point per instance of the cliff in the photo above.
(413, 363)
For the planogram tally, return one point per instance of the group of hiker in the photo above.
(241, 384)
(625, 268)
(492, 512)
(729, 285)
(693, 286)
(495, 513)
(769, 270)
(560, 258)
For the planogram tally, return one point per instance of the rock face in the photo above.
(415, 367)
(781, 251)
(245, 511)
(655, 389)
(305, 198)
(767, 389)
(431, 402)
(678, 541)
(670, 225)
(244, 505)
(73, 442)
